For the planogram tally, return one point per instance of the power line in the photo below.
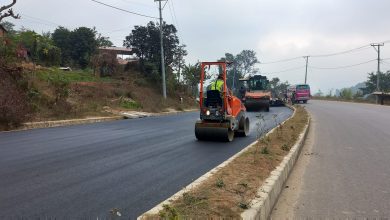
(171, 12)
(40, 19)
(342, 67)
(165, 4)
(174, 13)
(121, 29)
(323, 55)
(140, 4)
(287, 70)
(385, 62)
(281, 61)
(124, 10)
(342, 52)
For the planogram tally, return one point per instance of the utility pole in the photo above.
(307, 61)
(162, 50)
(378, 70)
(379, 61)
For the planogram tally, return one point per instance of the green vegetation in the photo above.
(264, 150)
(85, 75)
(130, 104)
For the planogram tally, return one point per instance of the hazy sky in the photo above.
(275, 29)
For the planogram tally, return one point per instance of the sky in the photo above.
(275, 29)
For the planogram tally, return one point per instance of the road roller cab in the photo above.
(222, 115)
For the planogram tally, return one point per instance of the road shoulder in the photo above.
(286, 205)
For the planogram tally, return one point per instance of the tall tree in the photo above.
(180, 53)
(83, 44)
(61, 38)
(145, 41)
(243, 64)
(246, 61)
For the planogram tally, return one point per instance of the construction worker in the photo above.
(217, 84)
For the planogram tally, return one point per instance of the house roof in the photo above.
(118, 50)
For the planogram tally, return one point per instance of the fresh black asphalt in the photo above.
(84, 171)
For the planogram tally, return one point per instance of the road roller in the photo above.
(257, 95)
(222, 115)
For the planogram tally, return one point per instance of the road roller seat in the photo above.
(213, 98)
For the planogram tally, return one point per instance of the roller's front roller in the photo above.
(213, 131)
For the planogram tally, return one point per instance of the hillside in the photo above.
(52, 94)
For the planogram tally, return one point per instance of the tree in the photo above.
(103, 41)
(9, 27)
(145, 42)
(180, 53)
(61, 38)
(384, 83)
(246, 61)
(7, 11)
(40, 47)
(277, 87)
(83, 45)
(243, 63)
(346, 93)
(191, 77)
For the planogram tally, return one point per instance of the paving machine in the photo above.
(222, 115)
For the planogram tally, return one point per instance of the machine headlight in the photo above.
(208, 112)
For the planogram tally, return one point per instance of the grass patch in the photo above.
(130, 104)
(86, 75)
(229, 192)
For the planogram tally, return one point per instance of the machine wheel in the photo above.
(267, 108)
(243, 127)
(304, 101)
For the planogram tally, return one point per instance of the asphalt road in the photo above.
(83, 171)
(344, 172)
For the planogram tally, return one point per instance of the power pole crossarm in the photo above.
(162, 51)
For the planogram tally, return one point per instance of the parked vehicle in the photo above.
(299, 93)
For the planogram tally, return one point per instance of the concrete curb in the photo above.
(155, 210)
(268, 193)
(58, 123)
(121, 115)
